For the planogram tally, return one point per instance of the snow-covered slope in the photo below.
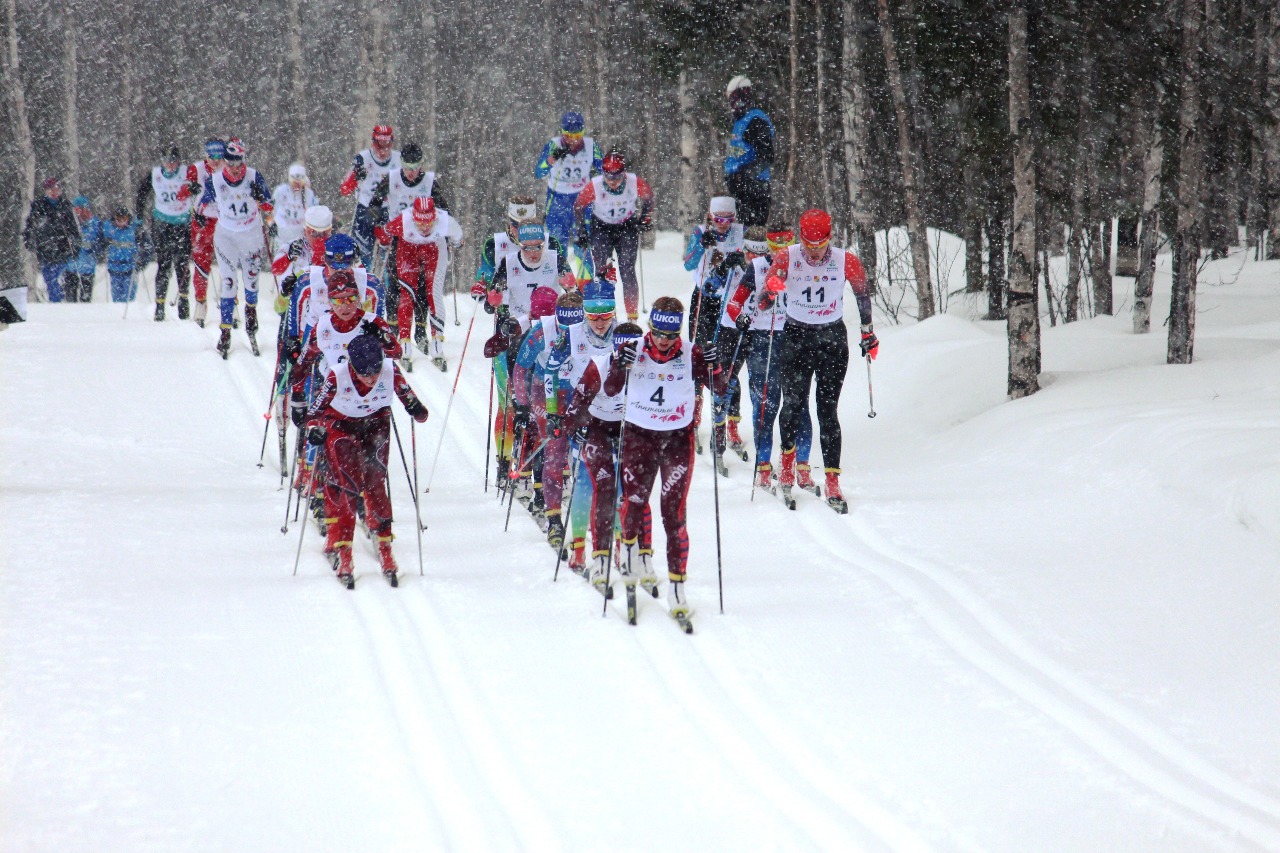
(1045, 625)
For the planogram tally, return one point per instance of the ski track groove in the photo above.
(1121, 737)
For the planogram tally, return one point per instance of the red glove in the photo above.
(773, 284)
(733, 309)
(870, 343)
(479, 292)
(383, 237)
(495, 298)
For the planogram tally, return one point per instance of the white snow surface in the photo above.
(1046, 625)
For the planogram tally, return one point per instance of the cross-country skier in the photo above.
(521, 272)
(762, 349)
(368, 169)
(204, 222)
(568, 162)
(292, 199)
(529, 399)
(351, 418)
(748, 168)
(326, 345)
(242, 198)
(714, 255)
(161, 193)
(423, 236)
(815, 343)
(621, 206)
(658, 380)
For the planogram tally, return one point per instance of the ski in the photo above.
(787, 498)
(813, 489)
(439, 361)
(253, 344)
(684, 619)
(407, 364)
(839, 505)
(349, 581)
(697, 443)
(631, 601)
(392, 578)
(606, 591)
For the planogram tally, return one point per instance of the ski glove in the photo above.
(272, 231)
(735, 259)
(479, 292)
(418, 411)
(580, 435)
(626, 355)
(511, 327)
(316, 435)
(201, 220)
(710, 353)
(646, 223)
(296, 248)
(555, 425)
(870, 343)
(583, 237)
(743, 322)
(520, 420)
(708, 239)
(297, 411)
(369, 327)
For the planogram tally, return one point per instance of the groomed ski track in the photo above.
(171, 685)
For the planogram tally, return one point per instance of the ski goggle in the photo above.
(818, 246)
(720, 219)
(601, 315)
(573, 136)
(781, 239)
(415, 166)
(345, 299)
(659, 335)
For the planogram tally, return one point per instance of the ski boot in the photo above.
(224, 343)
(787, 477)
(555, 530)
(346, 571)
(501, 478)
(600, 573)
(538, 509)
(835, 499)
(202, 310)
(804, 479)
(160, 310)
(437, 356)
(679, 605)
(578, 560)
(332, 546)
(420, 337)
(251, 327)
(184, 307)
(764, 477)
(736, 444)
(406, 355)
(387, 561)
(722, 468)
(643, 568)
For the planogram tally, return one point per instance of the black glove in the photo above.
(735, 259)
(195, 188)
(272, 231)
(708, 239)
(710, 352)
(369, 327)
(580, 435)
(359, 171)
(510, 327)
(555, 424)
(646, 223)
(555, 153)
(293, 349)
(626, 355)
(717, 257)
(583, 237)
(201, 220)
(743, 322)
(870, 344)
(520, 420)
(288, 283)
(296, 248)
(297, 412)
(316, 435)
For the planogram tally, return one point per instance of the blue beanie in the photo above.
(572, 122)
(531, 231)
(340, 251)
(598, 296)
(215, 149)
(80, 201)
(365, 354)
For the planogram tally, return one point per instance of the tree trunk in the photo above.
(688, 202)
(1153, 166)
(820, 59)
(1186, 238)
(793, 101)
(1100, 269)
(1024, 317)
(1271, 137)
(15, 264)
(1127, 245)
(603, 14)
(297, 82)
(996, 280)
(129, 89)
(1079, 186)
(70, 90)
(853, 94)
(974, 281)
(372, 61)
(1256, 217)
(916, 231)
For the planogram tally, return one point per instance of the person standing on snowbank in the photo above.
(815, 345)
(128, 251)
(748, 168)
(78, 279)
(51, 234)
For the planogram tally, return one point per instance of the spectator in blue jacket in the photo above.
(78, 280)
(128, 250)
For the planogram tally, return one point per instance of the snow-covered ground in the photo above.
(1045, 625)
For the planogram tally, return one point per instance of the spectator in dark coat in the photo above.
(52, 234)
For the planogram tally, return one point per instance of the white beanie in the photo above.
(739, 82)
(297, 170)
(724, 204)
(318, 218)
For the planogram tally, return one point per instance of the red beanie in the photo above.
(815, 226)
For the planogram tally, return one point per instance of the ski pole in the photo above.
(413, 487)
(526, 461)
(271, 404)
(302, 534)
(288, 498)
(457, 321)
(395, 430)
(640, 256)
(715, 461)
(871, 413)
(617, 496)
(488, 431)
(567, 509)
(449, 406)
(266, 247)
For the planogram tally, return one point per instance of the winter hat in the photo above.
(780, 238)
(598, 297)
(342, 283)
(215, 149)
(382, 133)
(614, 163)
(235, 150)
(339, 251)
(424, 211)
(738, 84)
(572, 122)
(723, 205)
(173, 155)
(531, 231)
(318, 218)
(365, 354)
(756, 242)
(121, 212)
(542, 303)
(411, 155)
(297, 172)
(80, 201)
(569, 311)
(815, 227)
(50, 183)
(626, 333)
(521, 209)
(665, 321)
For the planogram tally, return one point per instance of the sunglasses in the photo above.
(722, 220)
(532, 247)
(607, 315)
(579, 135)
(346, 300)
(818, 246)
(665, 336)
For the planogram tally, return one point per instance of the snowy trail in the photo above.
(890, 680)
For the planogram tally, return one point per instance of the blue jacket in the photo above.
(86, 261)
(128, 248)
(743, 152)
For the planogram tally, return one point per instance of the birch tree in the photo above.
(1186, 238)
(1024, 317)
